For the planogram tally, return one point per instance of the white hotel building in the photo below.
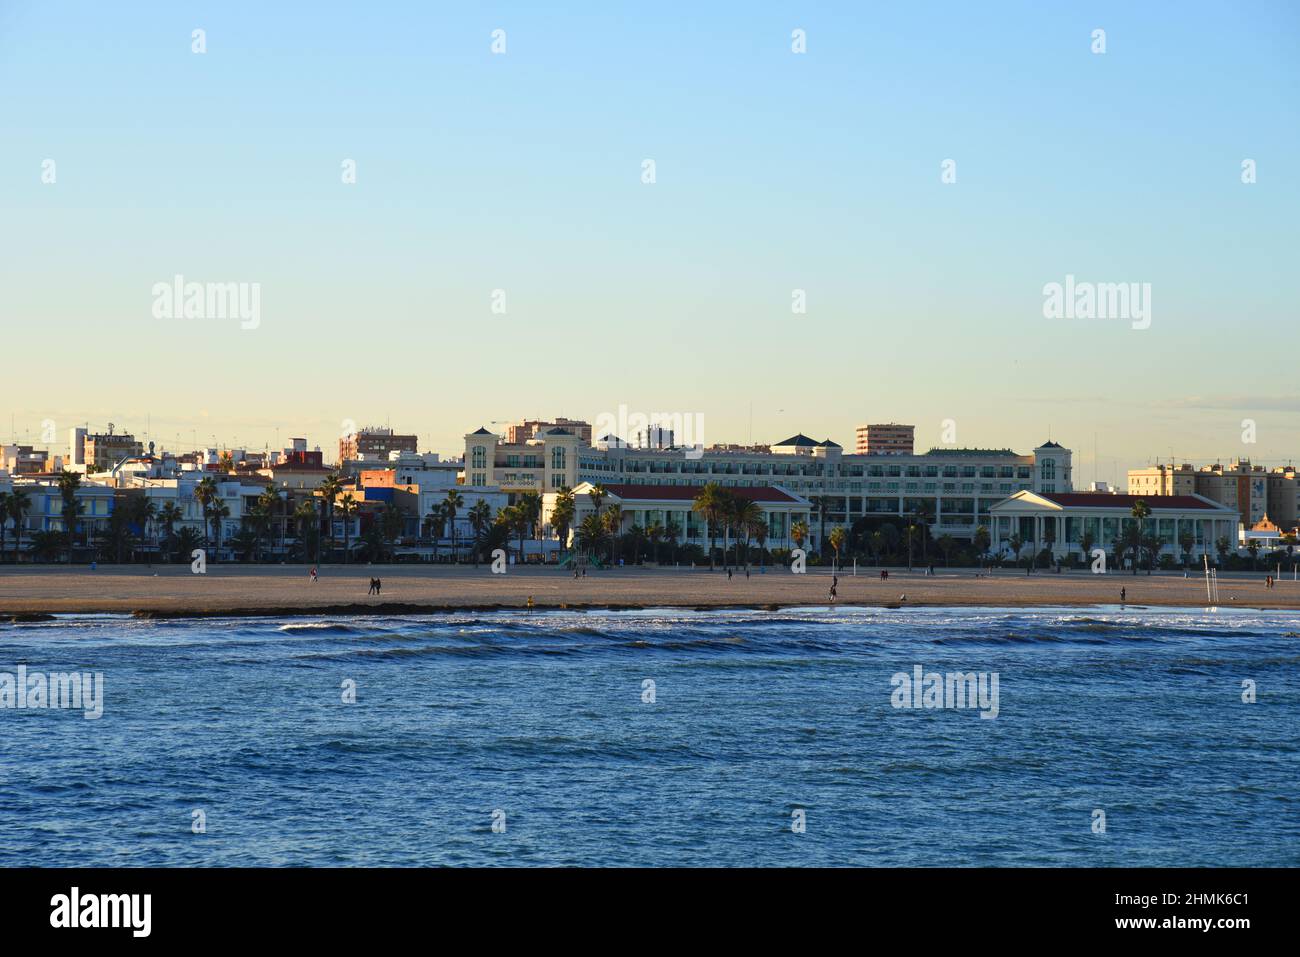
(955, 487)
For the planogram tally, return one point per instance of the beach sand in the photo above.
(414, 589)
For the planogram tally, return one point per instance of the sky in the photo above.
(500, 254)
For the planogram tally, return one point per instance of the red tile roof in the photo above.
(686, 493)
(1107, 500)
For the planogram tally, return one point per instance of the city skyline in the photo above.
(477, 171)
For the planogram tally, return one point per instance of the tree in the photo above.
(672, 532)
(187, 540)
(837, 542)
(391, 521)
(1015, 543)
(923, 516)
(69, 483)
(306, 522)
(220, 512)
(981, 540)
(710, 502)
(798, 532)
(435, 523)
(562, 515)
(1141, 512)
(206, 493)
(654, 533)
(4, 517)
(348, 507)
(597, 496)
(744, 513)
(1086, 542)
(946, 544)
(613, 523)
(591, 532)
(878, 545)
(1222, 545)
(911, 540)
(20, 503)
(452, 505)
(169, 515)
(226, 462)
(47, 545)
(330, 489)
(530, 506)
(260, 519)
(760, 535)
(480, 520)
(1252, 546)
(1186, 542)
(822, 506)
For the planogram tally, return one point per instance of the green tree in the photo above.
(452, 505)
(169, 515)
(330, 489)
(1141, 512)
(69, 484)
(480, 520)
(712, 502)
(837, 542)
(348, 508)
(562, 515)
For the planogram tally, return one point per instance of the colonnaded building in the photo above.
(955, 488)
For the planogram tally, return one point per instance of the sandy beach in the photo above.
(166, 591)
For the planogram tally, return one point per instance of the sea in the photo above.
(802, 737)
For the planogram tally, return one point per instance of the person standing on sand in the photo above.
(378, 586)
(313, 574)
(728, 574)
(1123, 593)
(832, 593)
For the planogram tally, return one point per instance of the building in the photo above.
(1251, 489)
(374, 444)
(100, 451)
(521, 432)
(26, 460)
(1060, 520)
(662, 505)
(954, 487)
(885, 439)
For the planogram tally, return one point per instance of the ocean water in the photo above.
(540, 724)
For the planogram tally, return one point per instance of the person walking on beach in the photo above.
(728, 574)
(378, 586)
(832, 593)
(313, 574)
(1123, 593)
(372, 589)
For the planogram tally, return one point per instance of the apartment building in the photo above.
(885, 439)
(374, 443)
(1253, 490)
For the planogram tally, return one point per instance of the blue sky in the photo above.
(775, 172)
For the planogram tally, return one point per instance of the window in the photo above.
(557, 459)
(478, 457)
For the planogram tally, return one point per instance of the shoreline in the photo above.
(36, 593)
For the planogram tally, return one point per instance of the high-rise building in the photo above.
(885, 439)
(521, 432)
(374, 443)
(100, 451)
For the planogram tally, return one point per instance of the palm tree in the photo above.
(142, 513)
(260, 518)
(981, 540)
(836, 542)
(653, 533)
(1015, 543)
(1186, 541)
(1086, 542)
(169, 515)
(307, 524)
(220, 511)
(1141, 512)
(597, 496)
(711, 502)
(530, 506)
(4, 517)
(1252, 546)
(1222, 545)
(348, 506)
(760, 535)
(187, 540)
(562, 515)
(226, 462)
(435, 523)
(946, 544)
(822, 505)
(330, 489)
(798, 532)
(591, 531)
(923, 516)
(69, 483)
(672, 532)
(613, 522)
(453, 503)
(480, 519)
(391, 521)
(20, 503)
(744, 513)
(878, 545)
(206, 493)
